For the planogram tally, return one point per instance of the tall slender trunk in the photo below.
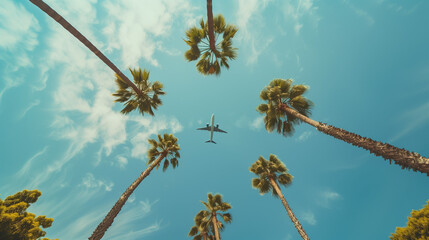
(214, 220)
(108, 220)
(205, 236)
(210, 25)
(289, 210)
(57, 17)
(402, 157)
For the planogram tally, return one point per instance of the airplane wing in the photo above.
(204, 128)
(216, 129)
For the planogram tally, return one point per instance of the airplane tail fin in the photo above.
(211, 141)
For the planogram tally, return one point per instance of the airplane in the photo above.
(212, 128)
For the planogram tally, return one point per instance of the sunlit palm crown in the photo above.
(266, 169)
(198, 39)
(202, 227)
(278, 94)
(166, 146)
(145, 103)
(204, 218)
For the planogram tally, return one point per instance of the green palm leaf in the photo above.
(144, 103)
(280, 93)
(211, 60)
(269, 169)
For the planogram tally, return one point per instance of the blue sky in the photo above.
(367, 65)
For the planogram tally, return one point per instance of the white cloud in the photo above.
(137, 33)
(83, 226)
(326, 198)
(24, 170)
(32, 104)
(257, 123)
(250, 24)
(89, 181)
(411, 120)
(145, 128)
(18, 27)
(124, 223)
(122, 161)
(304, 136)
(132, 198)
(10, 83)
(309, 217)
(298, 11)
(18, 31)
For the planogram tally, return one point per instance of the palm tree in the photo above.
(203, 229)
(165, 148)
(206, 221)
(57, 17)
(269, 173)
(203, 43)
(287, 107)
(145, 102)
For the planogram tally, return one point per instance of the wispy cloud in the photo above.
(299, 10)
(89, 181)
(124, 225)
(144, 128)
(137, 33)
(83, 225)
(18, 28)
(257, 123)
(360, 12)
(27, 166)
(304, 136)
(250, 23)
(411, 120)
(10, 83)
(308, 216)
(326, 198)
(121, 161)
(400, 8)
(18, 33)
(32, 104)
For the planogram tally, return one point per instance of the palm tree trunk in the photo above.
(214, 220)
(402, 157)
(108, 220)
(57, 17)
(210, 25)
(292, 217)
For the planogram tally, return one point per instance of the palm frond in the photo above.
(211, 60)
(285, 179)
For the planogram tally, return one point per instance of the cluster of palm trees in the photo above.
(284, 107)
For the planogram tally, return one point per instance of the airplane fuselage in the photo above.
(212, 128)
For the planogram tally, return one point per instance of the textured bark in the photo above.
(108, 220)
(214, 220)
(210, 25)
(292, 217)
(57, 17)
(402, 157)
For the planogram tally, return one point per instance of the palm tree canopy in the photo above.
(198, 40)
(203, 219)
(279, 94)
(168, 147)
(202, 227)
(266, 169)
(146, 102)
